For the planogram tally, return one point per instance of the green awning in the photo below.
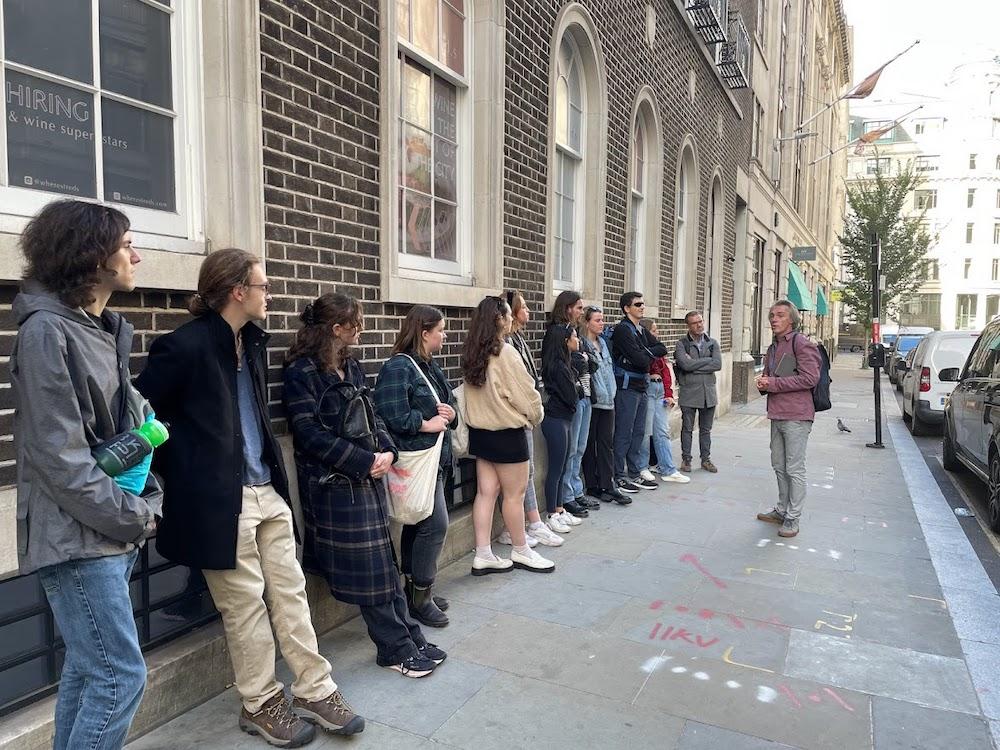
(822, 308)
(798, 289)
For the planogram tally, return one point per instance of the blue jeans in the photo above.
(661, 430)
(630, 432)
(104, 674)
(579, 431)
(556, 434)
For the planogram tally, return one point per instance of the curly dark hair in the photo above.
(315, 337)
(66, 245)
(484, 340)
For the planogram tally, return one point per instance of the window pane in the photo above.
(50, 137)
(445, 231)
(417, 227)
(568, 172)
(33, 38)
(425, 25)
(416, 162)
(568, 219)
(567, 261)
(138, 148)
(416, 94)
(445, 169)
(562, 114)
(135, 51)
(453, 40)
(575, 126)
(445, 110)
(403, 19)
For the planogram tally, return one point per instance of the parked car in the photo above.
(972, 417)
(904, 343)
(924, 393)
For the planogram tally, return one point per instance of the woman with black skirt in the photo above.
(500, 402)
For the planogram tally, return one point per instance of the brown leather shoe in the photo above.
(276, 723)
(709, 467)
(332, 713)
(686, 466)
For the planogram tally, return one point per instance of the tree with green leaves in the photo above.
(879, 205)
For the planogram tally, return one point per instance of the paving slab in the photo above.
(641, 579)
(976, 615)
(697, 736)
(513, 711)
(904, 726)
(801, 713)
(928, 679)
(983, 660)
(930, 631)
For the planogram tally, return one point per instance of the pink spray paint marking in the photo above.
(658, 604)
(688, 557)
(790, 695)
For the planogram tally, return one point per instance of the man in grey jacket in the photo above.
(79, 528)
(697, 358)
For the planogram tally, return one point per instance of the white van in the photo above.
(924, 393)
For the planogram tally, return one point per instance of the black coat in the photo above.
(190, 379)
(347, 538)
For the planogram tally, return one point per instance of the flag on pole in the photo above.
(873, 135)
(867, 86)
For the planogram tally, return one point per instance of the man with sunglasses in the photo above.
(633, 350)
(226, 509)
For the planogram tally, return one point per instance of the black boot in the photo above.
(441, 603)
(423, 608)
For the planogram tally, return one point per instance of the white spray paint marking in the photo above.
(763, 542)
(766, 694)
(732, 684)
(654, 662)
(792, 546)
(833, 554)
(811, 549)
(679, 670)
(700, 676)
(779, 544)
(822, 486)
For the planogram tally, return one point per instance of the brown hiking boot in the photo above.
(332, 713)
(686, 465)
(709, 467)
(789, 528)
(276, 723)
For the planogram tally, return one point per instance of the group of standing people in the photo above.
(219, 499)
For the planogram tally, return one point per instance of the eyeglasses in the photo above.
(265, 287)
(638, 304)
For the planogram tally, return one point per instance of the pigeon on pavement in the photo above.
(841, 426)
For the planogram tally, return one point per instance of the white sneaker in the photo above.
(569, 519)
(504, 538)
(531, 561)
(544, 535)
(647, 475)
(555, 523)
(482, 567)
(676, 477)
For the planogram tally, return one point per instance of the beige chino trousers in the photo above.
(268, 577)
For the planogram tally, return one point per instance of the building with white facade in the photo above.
(953, 142)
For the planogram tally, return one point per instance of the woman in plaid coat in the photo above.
(341, 466)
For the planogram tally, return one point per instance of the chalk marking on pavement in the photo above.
(649, 674)
(766, 694)
(732, 684)
(654, 662)
(688, 557)
(701, 676)
(761, 570)
(727, 657)
(942, 602)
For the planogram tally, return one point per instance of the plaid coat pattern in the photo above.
(346, 538)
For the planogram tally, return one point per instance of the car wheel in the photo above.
(948, 457)
(993, 507)
(918, 428)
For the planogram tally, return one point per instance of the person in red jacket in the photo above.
(660, 402)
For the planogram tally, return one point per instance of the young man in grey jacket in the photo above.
(77, 527)
(697, 358)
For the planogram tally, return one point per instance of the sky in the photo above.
(949, 32)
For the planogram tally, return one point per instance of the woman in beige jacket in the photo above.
(500, 402)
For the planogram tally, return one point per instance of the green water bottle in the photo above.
(122, 452)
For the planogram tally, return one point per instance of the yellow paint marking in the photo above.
(761, 570)
(727, 657)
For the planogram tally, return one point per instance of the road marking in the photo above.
(942, 602)
(761, 570)
(727, 657)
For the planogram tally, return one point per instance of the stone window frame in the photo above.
(225, 162)
(645, 109)
(482, 239)
(684, 275)
(576, 20)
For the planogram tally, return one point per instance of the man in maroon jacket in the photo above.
(791, 371)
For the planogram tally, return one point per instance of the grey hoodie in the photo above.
(67, 375)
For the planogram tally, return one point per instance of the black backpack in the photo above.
(820, 391)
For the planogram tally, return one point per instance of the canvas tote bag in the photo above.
(410, 481)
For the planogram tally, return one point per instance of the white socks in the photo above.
(485, 553)
(522, 550)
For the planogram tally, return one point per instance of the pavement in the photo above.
(683, 622)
